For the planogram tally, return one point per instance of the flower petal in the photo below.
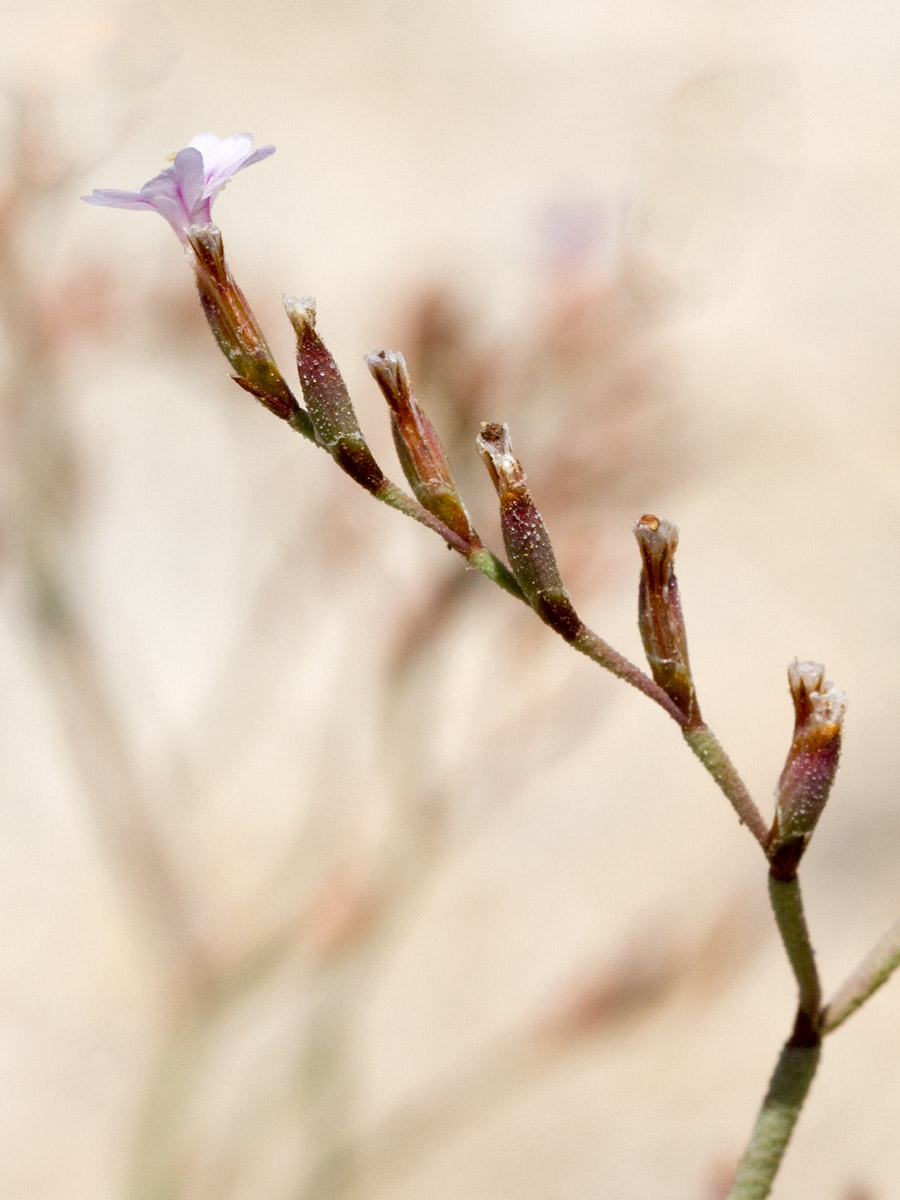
(183, 193)
(113, 198)
(224, 157)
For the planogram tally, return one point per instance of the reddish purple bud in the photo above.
(659, 613)
(234, 326)
(327, 399)
(811, 765)
(418, 446)
(525, 535)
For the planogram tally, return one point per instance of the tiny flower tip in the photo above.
(807, 675)
(494, 439)
(657, 541)
(389, 368)
(301, 312)
(816, 700)
(647, 521)
(495, 447)
(654, 531)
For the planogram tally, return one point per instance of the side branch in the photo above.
(711, 753)
(600, 652)
(874, 971)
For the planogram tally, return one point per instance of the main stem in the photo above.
(787, 905)
(781, 1107)
(798, 1061)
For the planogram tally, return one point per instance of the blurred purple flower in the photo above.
(184, 192)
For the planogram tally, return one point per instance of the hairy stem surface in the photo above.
(711, 753)
(787, 905)
(790, 1083)
(874, 970)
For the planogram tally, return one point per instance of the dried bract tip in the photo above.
(812, 763)
(233, 324)
(495, 448)
(659, 613)
(301, 312)
(389, 370)
(525, 535)
(327, 399)
(418, 446)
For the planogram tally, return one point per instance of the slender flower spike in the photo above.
(525, 535)
(418, 446)
(184, 192)
(659, 614)
(811, 765)
(327, 399)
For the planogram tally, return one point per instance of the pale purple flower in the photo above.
(184, 192)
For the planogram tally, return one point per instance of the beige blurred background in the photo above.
(327, 872)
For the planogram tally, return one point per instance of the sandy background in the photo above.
(326, 871)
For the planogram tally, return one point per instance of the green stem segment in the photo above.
(600, 652)
(799, 1059)
(874, 970)
(711, 753)
(787, 905)
(483, 560)
(785, 1098)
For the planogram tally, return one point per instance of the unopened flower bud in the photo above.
(418, 446)
(327, 399)
(811, 765)
(525, 535)
(659, 613)
(233, 324)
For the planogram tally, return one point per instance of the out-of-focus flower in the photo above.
(184, 192)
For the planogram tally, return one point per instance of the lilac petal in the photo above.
(113, 198)
(188, 180)
(224, 157)
(183, 193)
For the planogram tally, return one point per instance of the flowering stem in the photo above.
(490, 565)
(698, 736)
(477, 556)
(711, 753)
(874, 970)
(781, 1107)
(563, 620)
(604, 655)
(787, 905)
